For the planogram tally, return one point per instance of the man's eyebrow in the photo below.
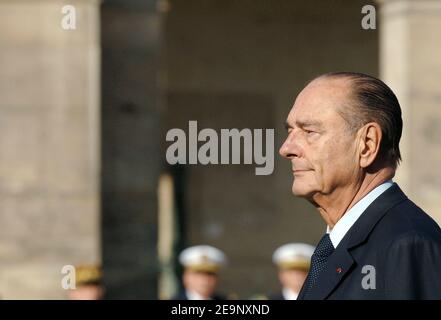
(306, 123)
(309, 123)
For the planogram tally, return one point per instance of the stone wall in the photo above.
(410, 64)
(49, 145)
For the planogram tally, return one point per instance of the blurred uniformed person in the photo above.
(88, 283)
(293, 261)
(201, 273)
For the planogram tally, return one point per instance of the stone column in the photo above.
(49, 144)
(130, 139)
(410, 44)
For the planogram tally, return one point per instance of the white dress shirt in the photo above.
(289, 294)
(347, 221)
(193, 295)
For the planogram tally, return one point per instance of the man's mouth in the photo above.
(300, 171)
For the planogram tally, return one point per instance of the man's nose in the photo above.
(289, 148)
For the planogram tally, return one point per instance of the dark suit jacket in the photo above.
(401, 247)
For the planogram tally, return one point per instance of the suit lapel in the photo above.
(302, 291)
(341, 261)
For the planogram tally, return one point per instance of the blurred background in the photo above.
(84, 113)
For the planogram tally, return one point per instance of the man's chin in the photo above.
(302, 192)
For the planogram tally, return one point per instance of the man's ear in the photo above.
(370, 139)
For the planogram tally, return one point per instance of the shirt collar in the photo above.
(351, 216)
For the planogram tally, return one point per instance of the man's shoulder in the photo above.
(412, 219)
(408, 221)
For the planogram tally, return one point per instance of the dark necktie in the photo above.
(318, 261)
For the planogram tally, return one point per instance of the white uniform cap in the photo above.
(202, 258)
(294, 256)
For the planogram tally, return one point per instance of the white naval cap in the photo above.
(294, 256)
(202, 258)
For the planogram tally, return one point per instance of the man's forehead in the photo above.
(319, 99)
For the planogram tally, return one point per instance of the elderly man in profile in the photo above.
(343, 144)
